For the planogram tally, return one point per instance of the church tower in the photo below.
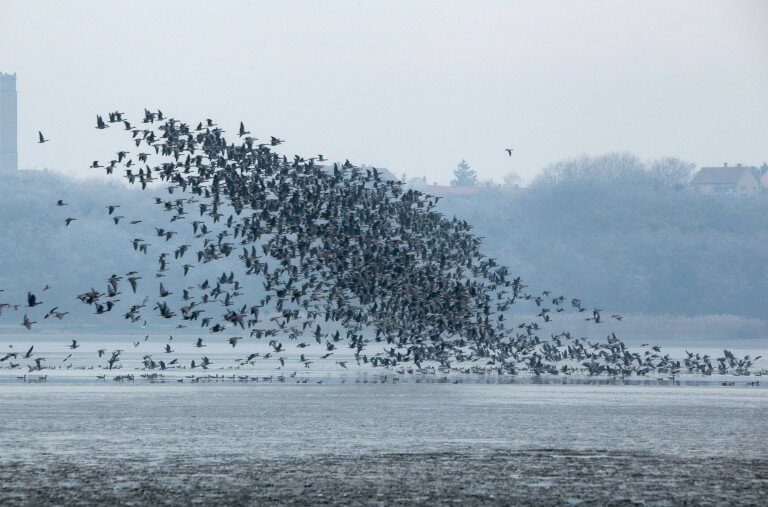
(9, 156)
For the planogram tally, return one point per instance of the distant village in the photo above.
(726, 179)
(739, 180)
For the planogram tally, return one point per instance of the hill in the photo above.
(622, 237)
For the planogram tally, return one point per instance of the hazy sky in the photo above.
(412, 86)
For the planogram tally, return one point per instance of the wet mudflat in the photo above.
(382, 444)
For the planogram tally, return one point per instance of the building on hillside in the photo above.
(9, 157)
(449, 190)
(739, 180)
(764, 181)
(421, 185)
(384, 173)
(418, 183)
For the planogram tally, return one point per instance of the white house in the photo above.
(727, 180)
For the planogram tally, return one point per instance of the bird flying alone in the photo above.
(509, 151)
(41, 139)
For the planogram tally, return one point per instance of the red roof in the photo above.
(450, 190)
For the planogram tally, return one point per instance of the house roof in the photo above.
(719, 175)
(450, 190)
(386, 174)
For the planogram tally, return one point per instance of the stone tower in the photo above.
(9, 156)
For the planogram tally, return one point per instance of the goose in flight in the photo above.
(41, 139)
(28, 323)
(32, 300)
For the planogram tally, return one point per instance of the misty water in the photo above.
(248, 443)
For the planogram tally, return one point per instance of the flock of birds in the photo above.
(346, 259)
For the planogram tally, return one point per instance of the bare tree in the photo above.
(671, 172)
(512, 180)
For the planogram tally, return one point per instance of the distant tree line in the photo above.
(609, 229)
(622, 235)
(37, 249)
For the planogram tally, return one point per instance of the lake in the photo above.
(440, 443)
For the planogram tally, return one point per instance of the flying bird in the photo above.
(32, 300)
(27, 323)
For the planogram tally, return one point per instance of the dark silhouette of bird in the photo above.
(32, 300)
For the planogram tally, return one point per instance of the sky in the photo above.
(412, 86)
